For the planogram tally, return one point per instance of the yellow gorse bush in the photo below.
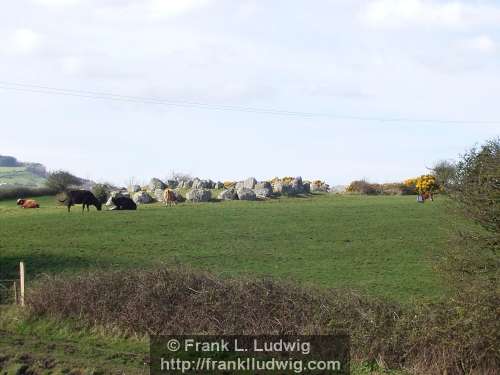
(285, 180)
(426, 183)
(410, 182)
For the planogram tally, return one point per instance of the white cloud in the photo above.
(394, 14)
(482, 43)
(57, 3)
(71, 65)
(134, 11)
(171, 8)
(22, 41)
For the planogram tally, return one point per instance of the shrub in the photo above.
(363, 187)
(467, 325)
(180, 301)
(476, 185)
(444, 171)
(61, 180)
(456, 336)
(409, 186)
(426, 184)
(392, 188)
(8, 161)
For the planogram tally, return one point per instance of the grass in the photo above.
(45, 346)
(48, 347)
(19, 176)
(382, 245)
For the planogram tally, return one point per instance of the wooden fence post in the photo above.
(14, 287)
(21, 282)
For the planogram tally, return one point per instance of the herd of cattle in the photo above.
(87, 198)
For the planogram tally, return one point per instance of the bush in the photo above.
(409, 186)
(179, 301)
(24, 192)
(392, 188)
(426, 184)
(467, 325)
(61, 180)
(444, 171)
(458, 336)
(476, 185)
(363, 187)
(8, 161)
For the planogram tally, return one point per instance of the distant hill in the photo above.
(14, 173)
(17, 174)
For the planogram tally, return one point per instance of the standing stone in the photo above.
(196, 183)
(249, 183)
(156, 183)
(307, 187)
(141, 197)
(227, 195)
(239, 185)
(263, 185)
(202, 184)
(262, 193)
(278, 187)
(317, 186)
(219, 185)
(246, 194)
(198, 195)
(158, 194)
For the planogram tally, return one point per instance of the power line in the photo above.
(23, 87)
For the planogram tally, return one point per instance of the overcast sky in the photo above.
(374, 59)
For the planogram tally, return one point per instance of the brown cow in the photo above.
(28, 203)
(169, 197)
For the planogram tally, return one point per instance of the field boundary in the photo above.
(12, 291)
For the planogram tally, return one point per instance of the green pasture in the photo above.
(381, 245)
(19, 176)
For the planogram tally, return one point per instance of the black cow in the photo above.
(124, 203)
(83, 197)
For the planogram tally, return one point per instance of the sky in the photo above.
(355, 65)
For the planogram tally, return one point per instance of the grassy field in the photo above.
(19, 176)
(381, 245)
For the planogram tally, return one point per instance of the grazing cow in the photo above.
(123, 203)
(83, 197)
(28, 203)
(421, 198)
(169, 197)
